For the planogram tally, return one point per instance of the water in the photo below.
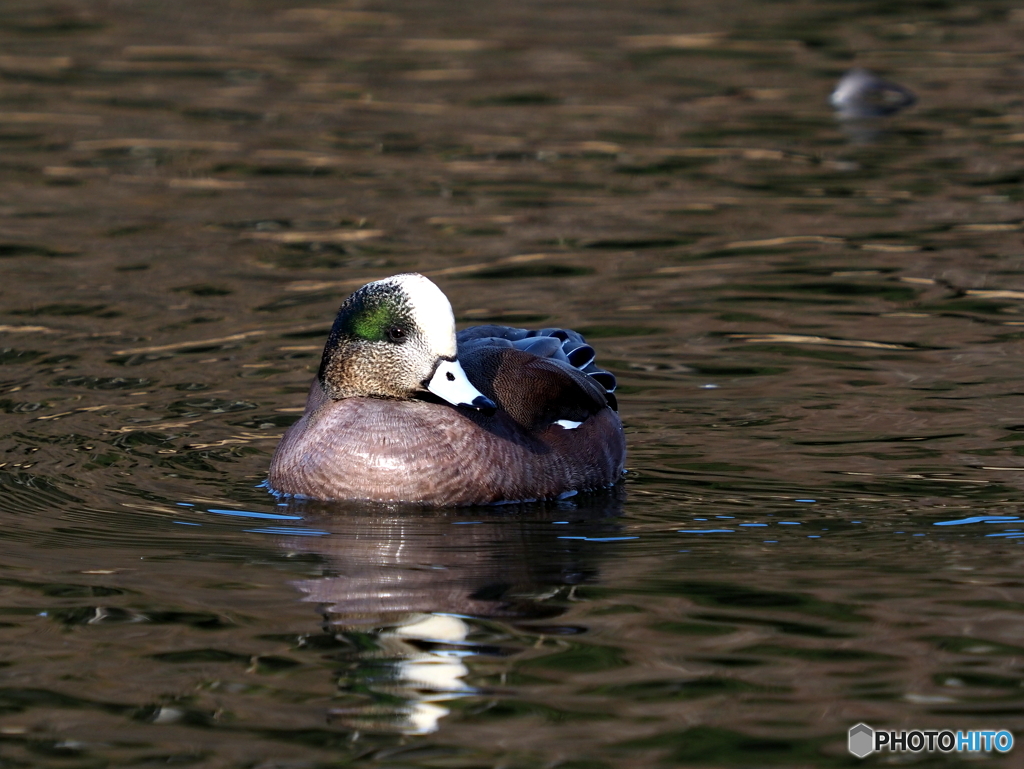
(816, 327)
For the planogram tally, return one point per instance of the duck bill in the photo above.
(450, 383)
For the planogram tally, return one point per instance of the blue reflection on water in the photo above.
(980, 519)
(249, 514)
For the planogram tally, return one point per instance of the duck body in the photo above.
(544, 425)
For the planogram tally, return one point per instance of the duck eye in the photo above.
(396, 334)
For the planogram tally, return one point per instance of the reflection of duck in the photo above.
(862, 94)
(392, 415)
(407, 592)
(422, 667)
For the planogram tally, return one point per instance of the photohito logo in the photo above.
(863, 741)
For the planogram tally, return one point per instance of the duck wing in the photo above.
(559, 344)
(532, 377)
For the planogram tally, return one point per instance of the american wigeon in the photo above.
(403, 411)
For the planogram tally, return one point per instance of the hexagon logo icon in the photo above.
(861, 740)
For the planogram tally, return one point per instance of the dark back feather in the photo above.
(559, 345)
(533, 391)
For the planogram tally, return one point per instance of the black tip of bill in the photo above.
(483, 403)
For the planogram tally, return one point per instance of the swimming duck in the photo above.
(862, 94)
(404, 410)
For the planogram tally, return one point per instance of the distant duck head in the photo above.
(862, 94)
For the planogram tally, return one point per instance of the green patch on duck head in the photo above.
(371, 311)
(372, 322)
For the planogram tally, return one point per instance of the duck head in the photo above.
(395, 338)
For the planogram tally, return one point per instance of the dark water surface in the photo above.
(817, 328)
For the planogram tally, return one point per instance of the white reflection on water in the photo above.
(414, 593)
(433, 675)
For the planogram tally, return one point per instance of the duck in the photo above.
(861, 94)
(405, 410)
